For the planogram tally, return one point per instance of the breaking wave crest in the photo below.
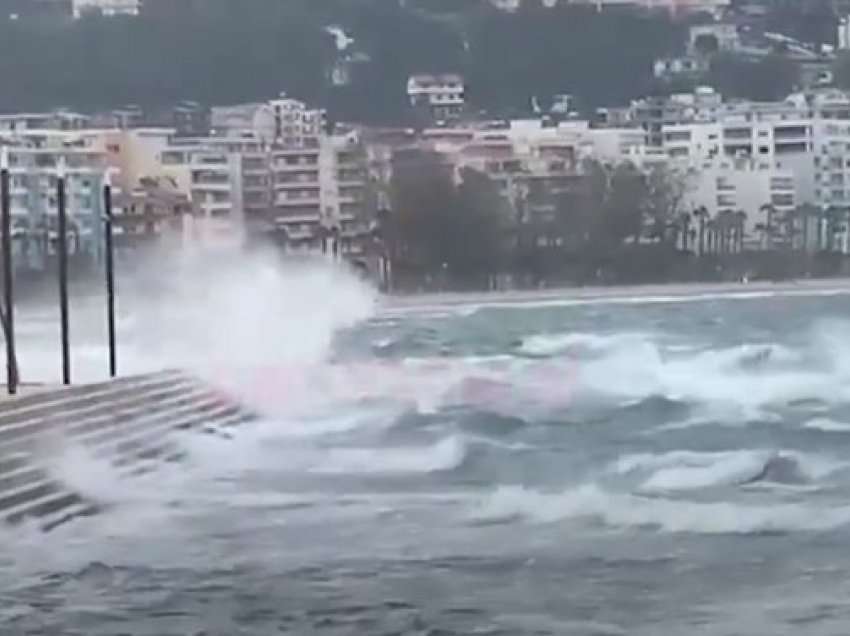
(618, 510)
(689, 470)
(446, 454)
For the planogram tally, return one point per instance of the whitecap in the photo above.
(446, 454)
(625, 511)
(827, 425)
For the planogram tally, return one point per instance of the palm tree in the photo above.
(702, 214)
(834, 218)
(799, 220)
(740, 225)
(725, 227)
(685, 228)
(769, 211)
(711, 229)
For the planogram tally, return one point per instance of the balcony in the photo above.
(304, 201)
(306, 149)
(297, 184)
(790, 132)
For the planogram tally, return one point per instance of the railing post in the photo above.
(8, 316)
(62, 244)
(110, 275)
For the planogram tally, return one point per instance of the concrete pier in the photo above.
(127, 421)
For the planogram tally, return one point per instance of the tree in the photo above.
(443, 228)
(769, 79)
(666, 190)
(740, 228)
(706, 44)
(703, 215)
(841, 70)
(768, 226)
(542, 53)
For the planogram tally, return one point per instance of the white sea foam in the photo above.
(553, 343)
(619, 510)
(689, 470)
(827, 425)
(447, 454)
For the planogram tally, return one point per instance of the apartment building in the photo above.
(806, 134)
(674, 6)
(153, 210)
(59, 119)
(440, 97)
(105, 7)
(318, 188)
(652, 114)
(37, 158)
(743, 184)
(269, 168)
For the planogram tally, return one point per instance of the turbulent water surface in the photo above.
(664, 467)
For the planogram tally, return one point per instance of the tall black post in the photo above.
(9, 306)
(110, 276)
(62, 244)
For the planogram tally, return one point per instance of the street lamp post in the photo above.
(8, 316)
(62, 244)
(110, 274)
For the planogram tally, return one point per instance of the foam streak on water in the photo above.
(597, 464)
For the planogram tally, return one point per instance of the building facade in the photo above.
(439, 97)
(106, 7)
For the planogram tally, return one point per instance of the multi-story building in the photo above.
(36, 160)
(743, 184)
(153, 210)
(54, 120)
(440, 97)
(806, 134)
(724, 34)
(106, 7)
(674, 6)
(269, 168)
(652, 114)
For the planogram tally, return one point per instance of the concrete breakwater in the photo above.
(127, 422)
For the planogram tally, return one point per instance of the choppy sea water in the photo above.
(639, 468)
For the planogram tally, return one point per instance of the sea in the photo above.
(626, 464)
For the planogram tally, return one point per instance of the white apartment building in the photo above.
(674, 6)
(106, 7)
(804, 134)
(725, 34)
(54, 120)
(742, 184)
(283, 120)
(36, 160)
(441, 96)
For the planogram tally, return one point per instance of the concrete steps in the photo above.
(128, 422)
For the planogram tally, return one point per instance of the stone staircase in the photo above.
(128, 422)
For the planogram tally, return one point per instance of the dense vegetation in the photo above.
(225, 51)
(616, 222)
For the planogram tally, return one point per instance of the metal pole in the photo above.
(110, 275)
(9, 308)
(63, 273)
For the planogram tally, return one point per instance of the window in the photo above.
(783, 199)
(787, 148)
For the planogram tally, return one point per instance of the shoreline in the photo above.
(624, 293)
